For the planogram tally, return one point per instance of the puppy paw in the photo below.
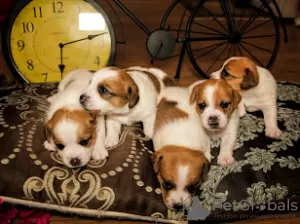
(49, 147)
(111, 141)
(99, 154)
(273, 132)
(225, 160)
(242, 112)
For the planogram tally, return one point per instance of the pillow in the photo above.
(125, 187)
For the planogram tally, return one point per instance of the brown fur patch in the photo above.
(169, 82)
(167, 112)
(152, 77)
(87, 124)
(122, 90)
(223, 93)
(167, 160)
(243, 74)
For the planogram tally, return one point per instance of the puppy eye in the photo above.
(202, 106)
(224, 104)
(103, 90)
(60, 146)
(167, 185)
(192, 188)
(225, 73)
(84, 142)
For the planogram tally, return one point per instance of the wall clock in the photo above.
(44, 39)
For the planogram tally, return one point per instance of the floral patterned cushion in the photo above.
(266, 170)
(124, 186)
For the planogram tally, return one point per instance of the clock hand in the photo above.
(89, 37)
(61, 66)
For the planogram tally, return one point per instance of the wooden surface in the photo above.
(286, 68)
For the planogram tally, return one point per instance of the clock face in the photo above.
(49, 38)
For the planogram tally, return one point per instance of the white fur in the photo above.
(180, 195)
(69, 91)
(262, 97)
(144, 111)
(228, 127)
(185, 132)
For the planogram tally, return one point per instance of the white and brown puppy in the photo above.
(257, 87)
(216, 103)
(182, 149)
(70, 129)
(126, 96)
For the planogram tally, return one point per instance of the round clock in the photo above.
(44, 39)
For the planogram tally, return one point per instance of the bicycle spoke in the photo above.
(212, 15)
(229, 51)
(255, 58)
(218, 58)
(200, 32)
(234, 50)
(211, 29)
(262, 36)
(191, 39)
(180, 24)
(257, 26)
(258, 47)
(209, 46)
(239, 49)
(241, 18)
(252, 18)
(211, 50)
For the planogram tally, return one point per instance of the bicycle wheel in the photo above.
(217, 30)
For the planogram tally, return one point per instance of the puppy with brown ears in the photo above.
(77, 134)
(126, 96)
(182, 149)
(257, 87)
(216, 104)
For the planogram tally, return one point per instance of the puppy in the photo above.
(182, 149)
(75, 133)
(257, 87)
(126, 96)
(216, 103)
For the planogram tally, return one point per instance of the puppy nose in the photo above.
(75, 162)
(178, 206)
(82, 98)
(213, 119)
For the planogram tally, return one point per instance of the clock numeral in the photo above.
(21, 45)
(57, 7)
(37, 12)
(28, 27)
(46, 76)
(30, 64)
(97, 61)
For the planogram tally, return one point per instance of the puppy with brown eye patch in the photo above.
(217, 106)
(182, 149)
(257, 87)
(125, 96)
(75, 133)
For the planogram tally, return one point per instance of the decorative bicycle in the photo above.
(210, 35)
(43, 40)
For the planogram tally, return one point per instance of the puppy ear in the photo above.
(132, 96)
(236, 98)
(194, 90)
(48, 131)
(94, 114)
(250, 79)
(156, 161)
